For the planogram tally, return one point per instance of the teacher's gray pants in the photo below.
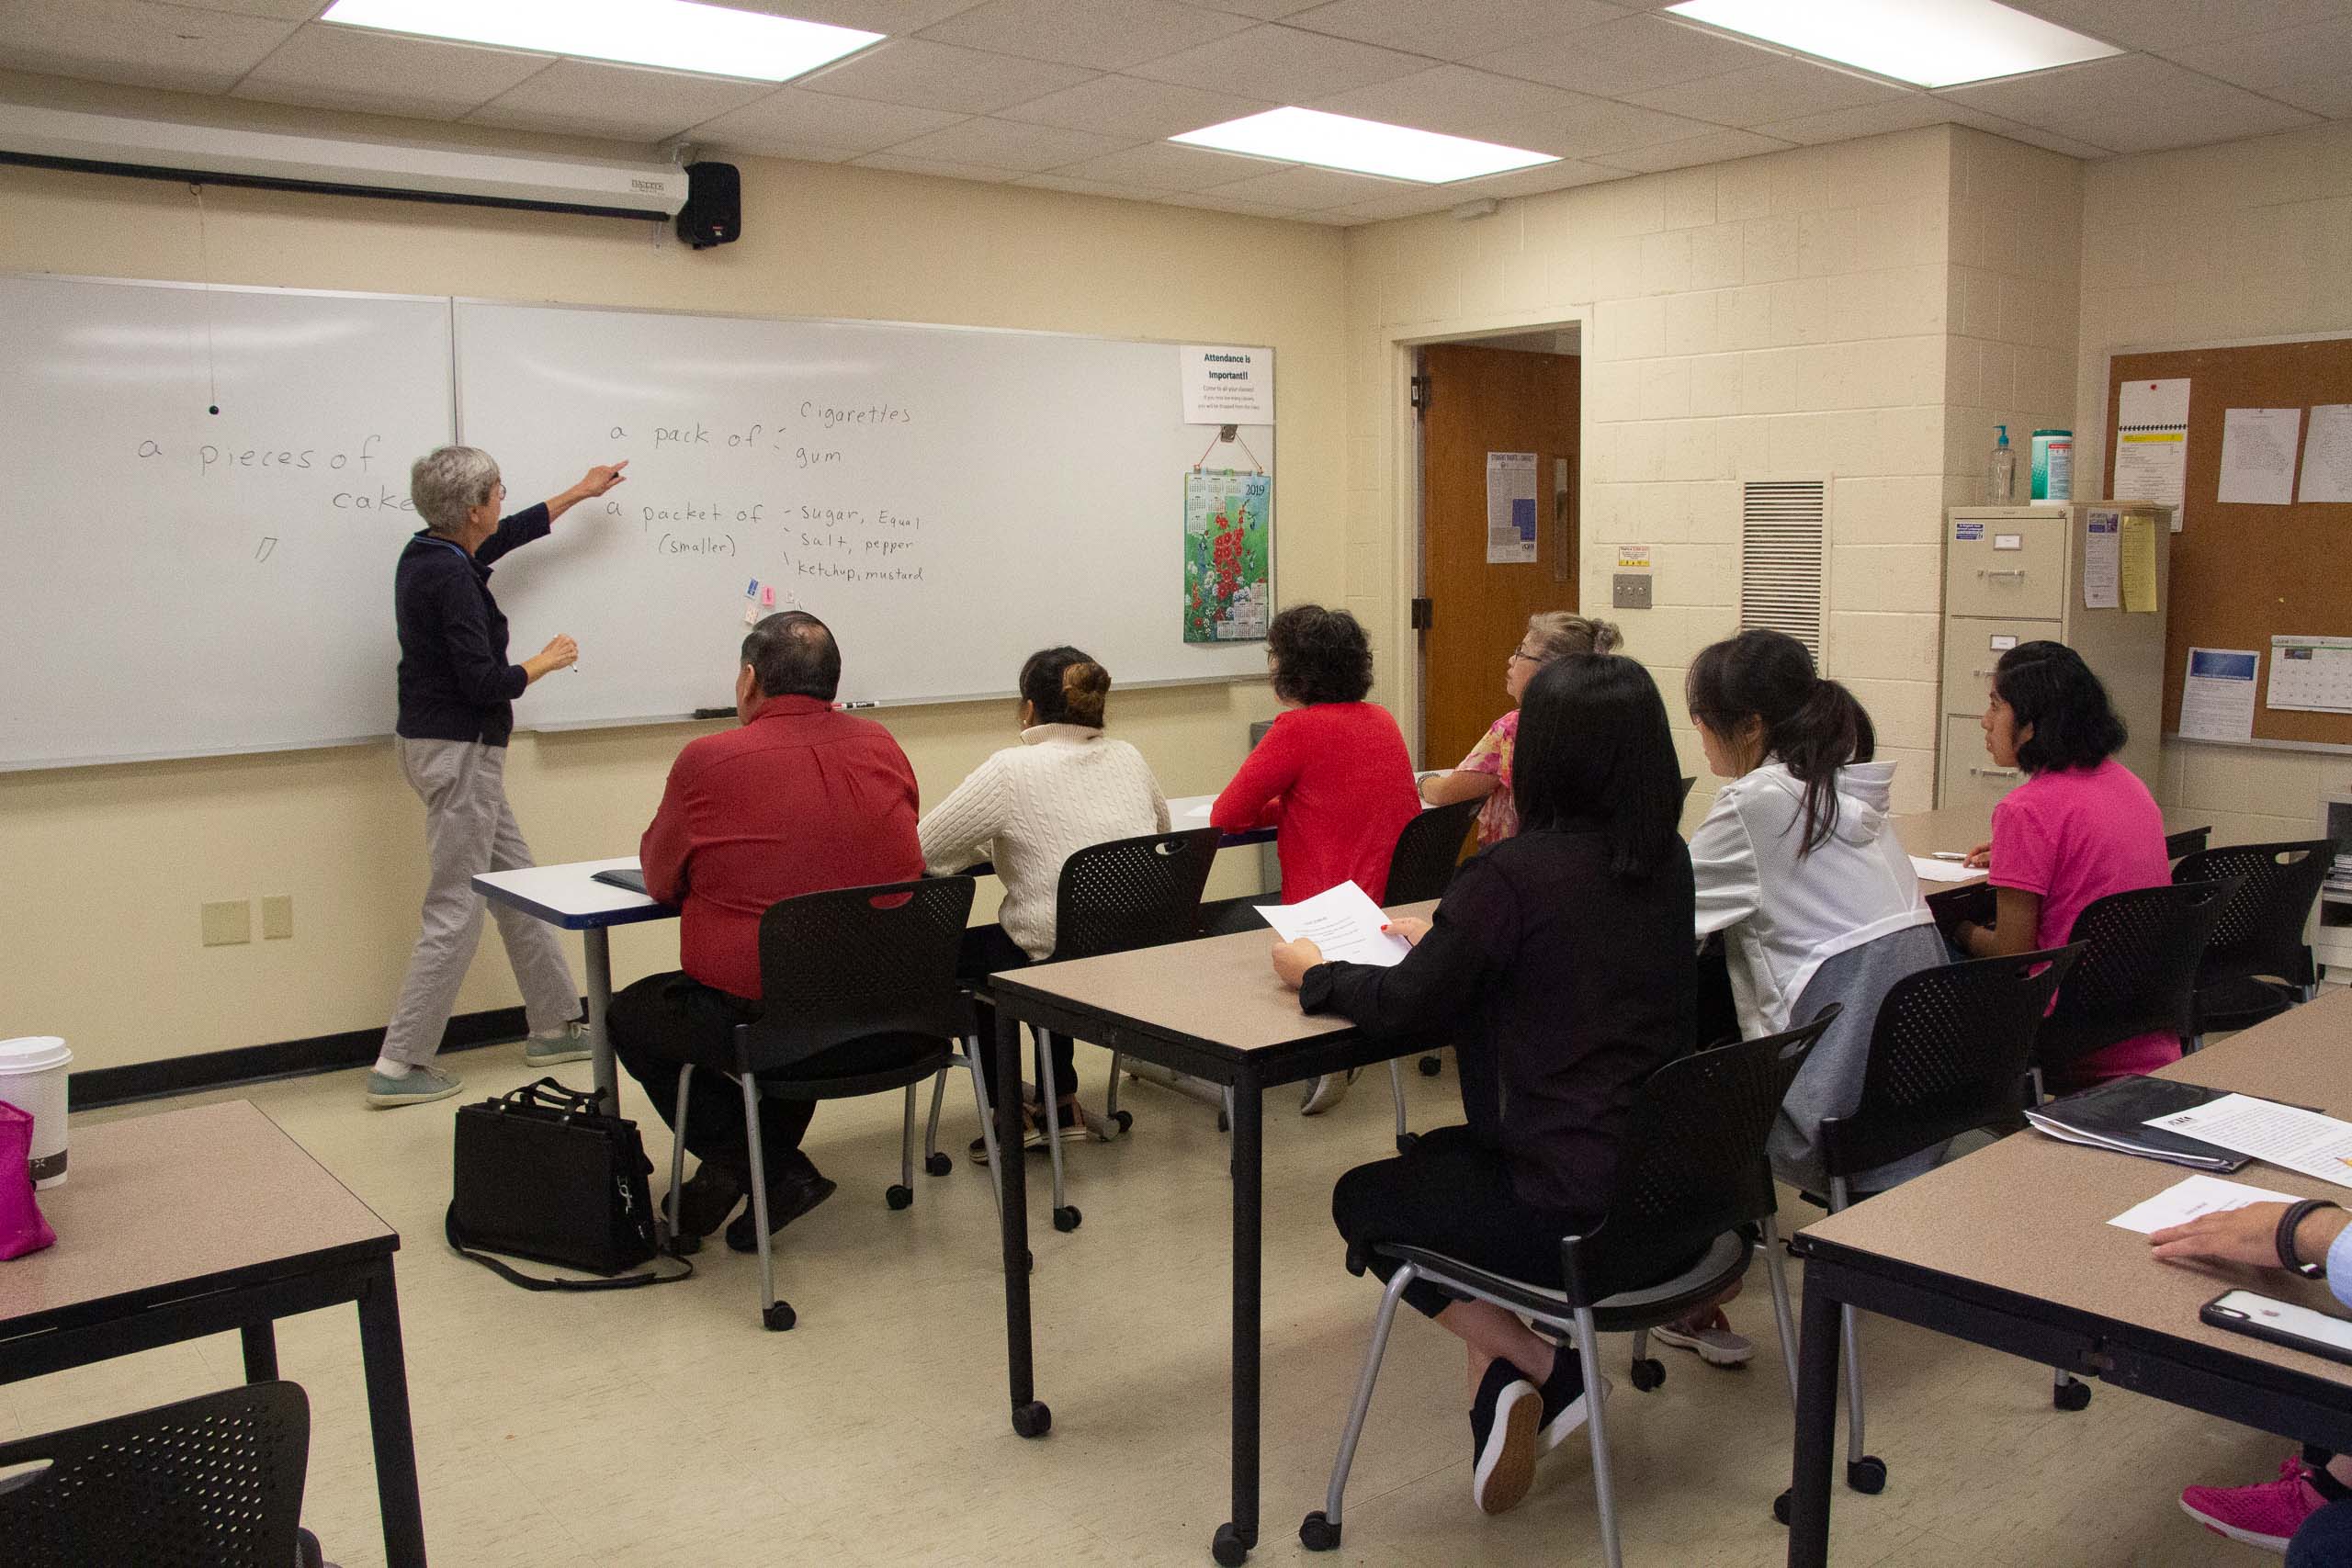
(470, 829)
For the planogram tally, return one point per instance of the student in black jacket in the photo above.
(1560, 965)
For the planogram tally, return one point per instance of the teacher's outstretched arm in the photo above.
(594, 483)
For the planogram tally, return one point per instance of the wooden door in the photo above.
(1480, 401)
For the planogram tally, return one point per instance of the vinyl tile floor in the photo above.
(664, 1426)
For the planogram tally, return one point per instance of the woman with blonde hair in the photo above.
(1485, 774)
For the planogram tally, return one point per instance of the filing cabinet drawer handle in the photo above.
(1993, 773)
(2013, 571)
(1984, 674)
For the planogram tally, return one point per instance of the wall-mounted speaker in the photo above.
(713, 214)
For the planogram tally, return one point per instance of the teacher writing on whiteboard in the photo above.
(457, 694)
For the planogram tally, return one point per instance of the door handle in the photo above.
(1993, 773)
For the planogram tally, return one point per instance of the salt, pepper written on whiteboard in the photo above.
(2151, 444)
(2327, 455)
(2258, 456)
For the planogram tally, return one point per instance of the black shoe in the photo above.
(789, 1197)
(1503, 1422)
(704, 1202)
(1562, 1393)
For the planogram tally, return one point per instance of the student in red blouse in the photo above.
(799, 798)
(1331, 777)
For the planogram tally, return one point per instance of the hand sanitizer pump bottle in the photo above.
(2001, 472)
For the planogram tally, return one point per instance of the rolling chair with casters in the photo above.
(2137, 975)
(214, 1482)
(2256, 965)
(1947, 1051)
(1111, 897)
(1693, 1200)
(1427, 853)
(873, 967)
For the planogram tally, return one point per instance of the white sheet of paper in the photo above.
(2192, 1196)
(2282, 1135)
(1511, 507)
(2327, 455)
(1344, 922)
(2151, 444)
(1943, 870)
(1202, 810)
(2102, 559)
(2217, 693)
(2258, 456)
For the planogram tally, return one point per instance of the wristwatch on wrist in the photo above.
(2290, 1221)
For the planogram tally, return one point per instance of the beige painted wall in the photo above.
(2240, 241)
(106, 866)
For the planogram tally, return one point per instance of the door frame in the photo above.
(1405, 521)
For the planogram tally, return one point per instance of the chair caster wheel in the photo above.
(777, 1317)
(1032, 1419)
(1404, 1142)
(1317, 1533)
(1867, 1476)
(1431, 1067)
(1124, 1118)
(1781, 1507)
(2071, 1396)
(1648, 1372)
(1066, 1218)
(898, 1197)
(936, 1164)
(1228, 1547)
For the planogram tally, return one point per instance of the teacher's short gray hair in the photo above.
(449, 482)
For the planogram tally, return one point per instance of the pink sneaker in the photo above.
(2265, 1514)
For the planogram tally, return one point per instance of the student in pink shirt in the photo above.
(1485, 774)
(2081, 827)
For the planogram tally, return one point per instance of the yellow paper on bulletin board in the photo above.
(2139, 563)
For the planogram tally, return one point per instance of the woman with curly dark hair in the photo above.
(1331, 777)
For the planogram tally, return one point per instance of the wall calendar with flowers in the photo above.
(1227, 593)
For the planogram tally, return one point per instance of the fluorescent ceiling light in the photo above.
(676, 34)
(1362, 146)
(1935, 43)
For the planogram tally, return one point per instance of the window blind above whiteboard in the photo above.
(947, 500)
(181, 581)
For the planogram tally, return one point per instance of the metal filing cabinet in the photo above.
(2014, 574)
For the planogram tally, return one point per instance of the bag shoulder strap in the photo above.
(516, 1277)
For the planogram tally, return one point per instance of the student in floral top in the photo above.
(1485, 774)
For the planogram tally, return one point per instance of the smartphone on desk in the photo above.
(2281, 1322)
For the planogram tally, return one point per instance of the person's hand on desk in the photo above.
(561, 654)
(1293, 959)
(1412, 927)
(2249, 1235)
(1980, 858)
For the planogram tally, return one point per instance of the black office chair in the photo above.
(872, 966)
(1428, 853)
(2256, 965)
(1947, 1051)
(214, 1482)
(1693, 1195)
(2137, 975)
(2186, 842)
(1111, 897)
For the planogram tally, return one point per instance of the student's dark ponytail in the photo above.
(1813, 726)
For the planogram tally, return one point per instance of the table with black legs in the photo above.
(1212, 1008)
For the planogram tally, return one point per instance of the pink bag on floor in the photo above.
(22, 1229)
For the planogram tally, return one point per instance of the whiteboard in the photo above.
(181, 582)
(947, 500)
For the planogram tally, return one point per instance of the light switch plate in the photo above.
(1630, 590)
(228, 923)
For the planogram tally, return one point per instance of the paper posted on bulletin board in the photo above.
(1511, 507)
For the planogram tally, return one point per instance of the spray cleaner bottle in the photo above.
(2001, 472)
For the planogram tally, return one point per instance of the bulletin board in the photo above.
(2245, 573)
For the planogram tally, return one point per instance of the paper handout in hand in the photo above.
(1344, 922)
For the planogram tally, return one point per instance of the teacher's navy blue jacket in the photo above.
(455, 681)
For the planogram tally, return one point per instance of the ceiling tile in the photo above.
(1105, 34)
(1629, 56)
(2073, 147)
(1008, 144)
(2170, 24)
(1771, 89)
(790, 122)
(1224, 204)
(1908, 112)
(284, 10)
(1281, 63)
(1311, 190)
(2132, 103)
(1264, 10)
(633, 103)
(2310, 67)
(1544, 178)
(1405, 204)
(1457, 30)
(1451, 98)
(930, 76)
(1591, 127)
(137, 42)
(326, 66)
(934, 166)
(1132, 107)
(1713, 147)
(898, 17)
(1085, 188)
(1163, 167)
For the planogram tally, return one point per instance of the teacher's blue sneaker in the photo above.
(569, 1043)
(418, 1086)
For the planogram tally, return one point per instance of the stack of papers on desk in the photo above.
(2117, 1115)
(2285, 1136)
(1344, 922)
(2190, 1197)
(1943, 870)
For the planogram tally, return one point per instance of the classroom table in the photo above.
(1212, 1008)
(2009, 1247)
(191, 1223)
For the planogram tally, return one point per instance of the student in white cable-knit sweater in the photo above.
(1028, 809)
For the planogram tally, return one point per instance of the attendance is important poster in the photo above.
(1226, 590)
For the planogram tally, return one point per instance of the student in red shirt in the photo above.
(1331, 776)
(799, 798)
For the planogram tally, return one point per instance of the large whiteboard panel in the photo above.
(947, 500)
(181, 581)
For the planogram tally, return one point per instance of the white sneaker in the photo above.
(1710, 1335)
(1326, 1092)
(569, 1043)
(418, 1086)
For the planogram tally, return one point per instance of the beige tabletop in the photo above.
(2028, 1215)
(177, 1196)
